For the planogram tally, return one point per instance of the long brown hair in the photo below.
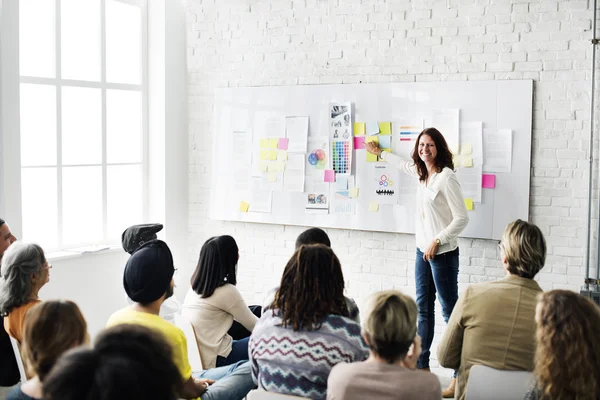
(567, 358)
(442, 159)
(312, 287)
(50, 329)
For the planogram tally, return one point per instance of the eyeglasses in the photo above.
(48, 264)
(500, 248)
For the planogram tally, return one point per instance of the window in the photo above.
(83, 118)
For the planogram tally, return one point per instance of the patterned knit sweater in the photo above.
(298, 363)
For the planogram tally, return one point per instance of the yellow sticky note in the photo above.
(264, 143)
(244, 206)
(371, 157)
(353, 193)
(467, 148)
(273, 143)
(469, 204)
(385, 128)
(272, 177)
(374, 206)
(359, 129)
(454, 149)
(272, 156)
(263, 167)
(467, 161)
(282, 155)
(279, 166)
(271, 167)
(264, 154)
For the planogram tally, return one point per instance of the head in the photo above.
(216, 265)
(148, 275)
(50, 329)
(6, 237)
(568, 328)
(128, 362)
(24, 271)
(313, 236)
(312, 287)
(523, 249)
(391, 325)
(136, 235)
(431, 147)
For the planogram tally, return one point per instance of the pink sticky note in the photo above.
(488, 181)
(359, 142)
(283, 143)
(329, 175)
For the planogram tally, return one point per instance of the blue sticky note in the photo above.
(341, 183)
(385, 141)
(372, 128)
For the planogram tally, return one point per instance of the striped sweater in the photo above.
(298, 363)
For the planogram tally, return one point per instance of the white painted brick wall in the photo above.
(279, 42)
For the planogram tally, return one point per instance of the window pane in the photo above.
(123, 42)
(80, 39)
(37, 37)
(81, 126)
(123, 126)
(38, 125)
(82, 205)
(125, 199)
(39, 206)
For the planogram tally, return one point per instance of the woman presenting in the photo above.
(441, 217)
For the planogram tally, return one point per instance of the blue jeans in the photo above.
(232, 382)
(438, 275)
(239, 352)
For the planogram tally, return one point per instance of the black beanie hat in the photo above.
(148, 272)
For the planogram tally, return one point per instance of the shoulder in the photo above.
(345, 371)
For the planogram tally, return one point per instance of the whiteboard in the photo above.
(497, 104)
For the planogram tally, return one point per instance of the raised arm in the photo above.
(406, 166)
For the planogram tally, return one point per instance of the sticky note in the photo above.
(454, 149)
(488, 181)
(264, 143)
(273, 143)
(244, 206)
(263, 167)
(359, 129)
(385, 142)
(467, 148)
(469, 204)
(353, 193)
(329, 175)
(372, 157)
(372, 128)
(282, 155)
(467, 161)
(385, 128)
(341, 182)
(279, 166)
(373, 206)
(264, 154)
(359, 142)
(272, 177)
(283, 143)
(272, 155)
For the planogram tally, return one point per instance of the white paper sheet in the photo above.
(447, 122)
(259, 200)
(317, 198)
(296, 129)
(497, 150)
(470, 177)
(384, 184)
(293, 178)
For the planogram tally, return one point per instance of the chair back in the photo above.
(17, 351)
(258, 394)
(192, 344)
(487, 383)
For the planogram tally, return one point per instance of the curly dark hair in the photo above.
(443, 158)
(312, 287)
(567, 358)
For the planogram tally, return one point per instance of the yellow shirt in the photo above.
(172, 334)
(13, 323)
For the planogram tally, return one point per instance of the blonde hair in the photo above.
(524, 247)
(391, 324)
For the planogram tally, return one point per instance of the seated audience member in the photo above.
(128, 362)
(25, 271)
(50, 329)
(313, 236)
(296, 343)
(390, 331)
(213, 303)
(567, 356)
(148, 281)
(493, 323)
(9, 371)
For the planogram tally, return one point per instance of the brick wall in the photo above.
(283, 42)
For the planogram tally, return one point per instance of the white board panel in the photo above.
(498, 104)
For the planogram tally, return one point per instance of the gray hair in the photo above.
(19, 262)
